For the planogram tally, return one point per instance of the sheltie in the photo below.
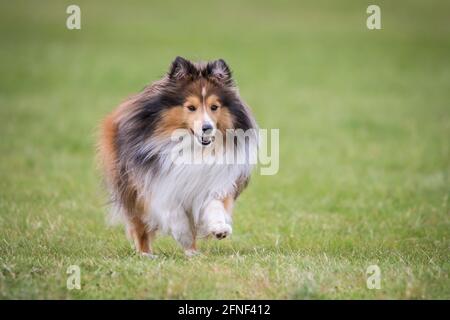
(151, 190)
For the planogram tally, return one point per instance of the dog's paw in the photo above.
(149, 255)
(220, 230)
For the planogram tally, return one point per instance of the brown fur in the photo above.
(107, 146)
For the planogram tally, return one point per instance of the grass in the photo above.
(364, 121)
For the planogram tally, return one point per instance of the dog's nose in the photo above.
(206, 127)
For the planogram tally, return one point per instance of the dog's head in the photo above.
(206, 100)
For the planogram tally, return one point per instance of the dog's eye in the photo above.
(214, 107)
(192, 108)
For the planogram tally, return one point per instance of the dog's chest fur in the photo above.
(185, 189)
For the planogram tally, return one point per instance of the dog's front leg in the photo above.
(183, 232)
(217, 220)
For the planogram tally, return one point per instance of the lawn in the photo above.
(364, 119)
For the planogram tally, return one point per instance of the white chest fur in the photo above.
(185, 189)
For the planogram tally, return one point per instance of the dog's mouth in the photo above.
(204, 140)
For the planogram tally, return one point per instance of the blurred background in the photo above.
(364, 121)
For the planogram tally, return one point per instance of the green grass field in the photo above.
(364, 119)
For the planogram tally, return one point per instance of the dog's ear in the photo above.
(220, 71)
(181, 69)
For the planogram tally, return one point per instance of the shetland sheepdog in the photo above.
(151, 190)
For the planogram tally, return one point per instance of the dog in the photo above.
(150, 191)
